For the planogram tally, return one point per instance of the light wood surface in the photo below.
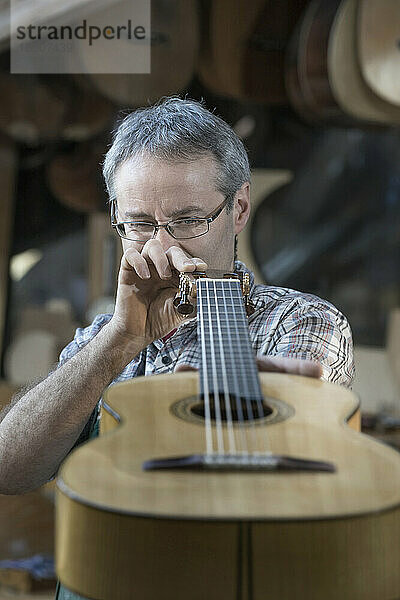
(310, 535)
(314, 432)
(105, 253)
(263, 183)
(378, 47)
(348, 86)
(374, 380)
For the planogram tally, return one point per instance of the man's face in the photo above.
(157, 191)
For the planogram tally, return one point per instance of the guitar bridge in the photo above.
(238, 462)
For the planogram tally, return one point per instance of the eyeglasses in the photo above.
(180, 229)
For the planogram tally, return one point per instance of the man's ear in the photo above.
(241, 207)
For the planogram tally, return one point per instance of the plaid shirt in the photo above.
(285, 323)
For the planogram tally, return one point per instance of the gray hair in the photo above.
(177, 130)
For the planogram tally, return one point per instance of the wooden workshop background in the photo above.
(313, 89)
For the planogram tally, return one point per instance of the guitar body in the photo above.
(125, 533)
(349, 88)
(312, 60)
(342, 63)
(378, 47)
(244, 45)
(174, 50)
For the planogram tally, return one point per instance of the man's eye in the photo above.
(139, 226)
(189, 221)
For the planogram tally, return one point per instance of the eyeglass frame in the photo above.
(208, 218)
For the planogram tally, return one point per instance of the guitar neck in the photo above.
(227, 358)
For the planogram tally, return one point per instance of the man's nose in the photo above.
(166, 240)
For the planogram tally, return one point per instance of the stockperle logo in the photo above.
(113, 39)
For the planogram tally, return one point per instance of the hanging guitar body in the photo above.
(309, 510)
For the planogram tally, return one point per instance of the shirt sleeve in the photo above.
(315, 330)
(83, 336)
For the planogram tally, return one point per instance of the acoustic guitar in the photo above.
(307, 56)
(73, 177)
(342, 63)
(379, 47)
(349, 87)
(227, 484)
(174, 51)
(243, 47)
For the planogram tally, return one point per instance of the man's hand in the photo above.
(147, 284)
(292, 366)
(279, 364)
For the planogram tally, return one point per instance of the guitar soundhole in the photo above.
(244, 410)
(270, 411)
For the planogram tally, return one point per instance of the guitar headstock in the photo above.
(187, 292)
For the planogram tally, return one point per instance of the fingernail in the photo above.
(188, 263)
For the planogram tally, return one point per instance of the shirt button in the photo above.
(166, 360)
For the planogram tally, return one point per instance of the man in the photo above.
(178, 179)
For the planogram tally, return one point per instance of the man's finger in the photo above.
(133, 260)
(293, 366)
(153, 251)
(278, 364)
(182, 262)
(184, 368)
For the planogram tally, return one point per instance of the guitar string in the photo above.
(248, 393)
(263, 443)
(206, 394)
(243, 447)
(227, 399)
(217, 405)
(206, 391)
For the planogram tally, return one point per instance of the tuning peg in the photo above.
(183, 304)
(182, 301)
(249, 306)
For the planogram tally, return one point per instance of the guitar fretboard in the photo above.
(227, 358)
